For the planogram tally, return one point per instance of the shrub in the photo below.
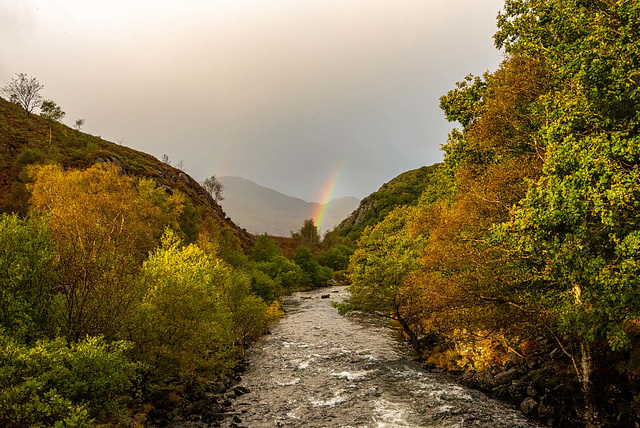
(26, 258)
(54, 381)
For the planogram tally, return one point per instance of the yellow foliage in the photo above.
(103, 224)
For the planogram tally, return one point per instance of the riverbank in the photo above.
(544, 387)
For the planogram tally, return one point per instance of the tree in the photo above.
(337, 257)
(182, 327)
(165, 159)
(214, 187)
(79, 124)
(52, 113)
(308, 235)
(578, 225)
(304, 258)
(25, 92)
(102, 225)
(264, 249)
(380, 272)
(26, 277)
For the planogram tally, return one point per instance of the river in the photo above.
(318, 369)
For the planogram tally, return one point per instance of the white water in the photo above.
(318, 369)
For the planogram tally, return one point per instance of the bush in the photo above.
(248, 313)
(181, 326)
(337, 257)
(26, 259)
(263, 286)
(57, 382)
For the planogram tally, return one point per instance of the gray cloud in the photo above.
(277, 91)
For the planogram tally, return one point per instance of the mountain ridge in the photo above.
(260, 209)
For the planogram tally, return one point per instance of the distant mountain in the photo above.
(262, 210)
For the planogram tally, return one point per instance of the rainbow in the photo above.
(325, 196)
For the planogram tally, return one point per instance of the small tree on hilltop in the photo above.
(25, 92)
(214, 187)
(52, 113)
(79, 124)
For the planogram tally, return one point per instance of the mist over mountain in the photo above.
(260, 209)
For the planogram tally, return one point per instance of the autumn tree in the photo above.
(102, 225)
(25, 92)
(577, 227)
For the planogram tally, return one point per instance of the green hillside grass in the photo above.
(405, 189)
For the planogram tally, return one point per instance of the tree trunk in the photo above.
(413, 339)
(586, 381)
(585, 373)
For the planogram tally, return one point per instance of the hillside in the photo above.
(24, 142)
(260, 209)
(404, 189)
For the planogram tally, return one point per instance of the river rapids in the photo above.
(318, 369)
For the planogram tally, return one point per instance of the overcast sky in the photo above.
(281, 92)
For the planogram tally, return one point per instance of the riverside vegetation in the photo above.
(518, 265)
(127, 297)
(126, 292)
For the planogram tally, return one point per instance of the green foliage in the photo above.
(29, 156)
(380, 270)
(464, 104)
(264, 249)
(308, 235)
(287, 275)
(249, 314)
(311, 269)
(26, 276)
(58, 383)
(337, 257)
(264, 286)
(181, 326)
(405, 189)
(386, 255)
(51, 111)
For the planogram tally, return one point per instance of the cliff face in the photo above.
(25, 141)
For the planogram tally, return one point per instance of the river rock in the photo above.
(545, 410)
(217, 387)
(505, 377)
(528, 406)
(241, 390)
